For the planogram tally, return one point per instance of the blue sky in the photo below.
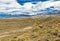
(28, 6)
(21, 2)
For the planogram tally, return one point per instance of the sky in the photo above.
(28, 6)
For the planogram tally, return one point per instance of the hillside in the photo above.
(35, 28)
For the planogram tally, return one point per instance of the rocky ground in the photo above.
(35, 28)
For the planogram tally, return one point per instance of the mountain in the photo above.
(10, 15)
(53, 12)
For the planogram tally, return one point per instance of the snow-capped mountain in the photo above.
(2, 15)
(53, 12)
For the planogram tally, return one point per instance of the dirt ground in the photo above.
(35, 28)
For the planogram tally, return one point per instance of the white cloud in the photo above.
(28, 6)
(12, 7)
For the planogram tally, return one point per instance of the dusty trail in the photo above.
(9, 33)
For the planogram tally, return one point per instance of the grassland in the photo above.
(35, 28)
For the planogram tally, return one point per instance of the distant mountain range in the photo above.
(53, 12)
(10, 15)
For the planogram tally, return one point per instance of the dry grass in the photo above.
(15, 24)
(43, 28)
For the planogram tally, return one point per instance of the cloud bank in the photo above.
(12, 7)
